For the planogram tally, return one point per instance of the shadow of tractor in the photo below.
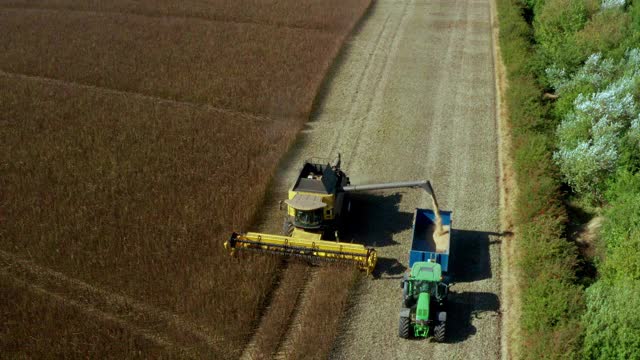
(464, 308)
(471, 255)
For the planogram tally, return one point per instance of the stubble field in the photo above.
(412, 97)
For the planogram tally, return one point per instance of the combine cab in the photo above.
(317, 202)
(316, 213)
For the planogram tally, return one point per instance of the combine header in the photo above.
(317, 209)
(365, 258)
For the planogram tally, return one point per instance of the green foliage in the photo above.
(552, 303)
(565, 103)
(556, 329)
(623, 261)
(592, 6)
(555, 25)
(560, 342)
(526, 110)
(515, 40)
(604, 33)
(621, 230)
(634, 12)
(612, 321)
(539, 194)
(600, 126)
(580, 48)
(548, 254)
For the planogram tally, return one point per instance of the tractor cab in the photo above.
(425, 278)
(424, 295)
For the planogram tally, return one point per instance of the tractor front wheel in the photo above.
(404, 328)
(438, 332)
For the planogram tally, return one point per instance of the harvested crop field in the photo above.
(134, 136)
(412, 97)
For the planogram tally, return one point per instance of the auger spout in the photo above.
(424, 184)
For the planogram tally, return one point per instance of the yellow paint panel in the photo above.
(291, 245)
(301, 234)
(328, 199)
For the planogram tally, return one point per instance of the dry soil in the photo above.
(411, 97)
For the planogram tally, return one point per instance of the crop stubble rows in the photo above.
(132, 144)
(412, 98)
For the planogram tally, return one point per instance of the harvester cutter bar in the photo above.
(327, 250)
(314, 260)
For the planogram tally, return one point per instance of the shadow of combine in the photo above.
(389, 269)
(465, 307)
(470, 255)
(375, 219)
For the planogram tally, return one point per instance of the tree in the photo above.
(599, 125)
(612, 321)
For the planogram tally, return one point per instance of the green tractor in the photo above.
(424, 298)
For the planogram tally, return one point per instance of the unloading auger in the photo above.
(317, 210)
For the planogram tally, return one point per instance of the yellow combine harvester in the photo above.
(317, 208)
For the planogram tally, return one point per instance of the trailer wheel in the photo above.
(404, 328)
(287, 227)
(438, 332)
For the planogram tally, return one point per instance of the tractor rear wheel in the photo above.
(287, 227)
(404, 329)
(438, 332)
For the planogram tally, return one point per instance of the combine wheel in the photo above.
(287, 227)
(404, 327)
(438, 332)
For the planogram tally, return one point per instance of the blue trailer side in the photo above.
(423, 247)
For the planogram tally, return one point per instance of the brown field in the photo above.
(134, 136)
(329, 15)
(259, 69)
(80, 335)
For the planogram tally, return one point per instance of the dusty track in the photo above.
(412, 97)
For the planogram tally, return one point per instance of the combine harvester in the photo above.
(426, 287)
(317, 209)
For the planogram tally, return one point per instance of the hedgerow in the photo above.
(584, 54)
(552, 302)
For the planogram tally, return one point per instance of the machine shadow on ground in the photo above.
(470, 255)
(374, 219)
(388, 268)
(465, 307)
